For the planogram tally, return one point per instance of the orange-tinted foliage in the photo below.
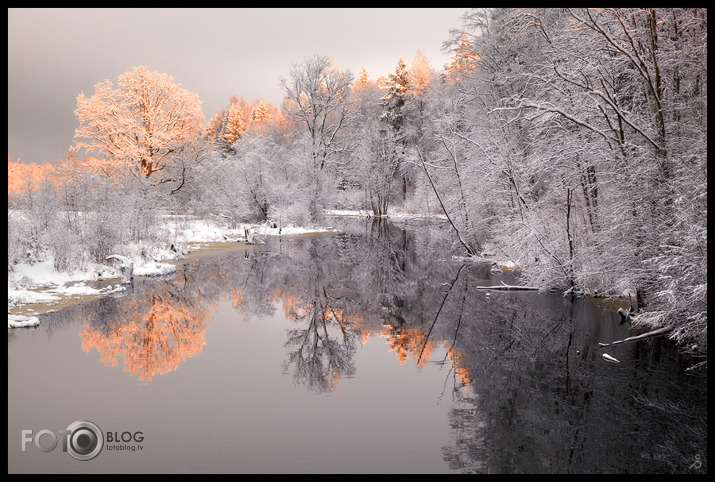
(21, 176)
(460, 366)
(409, 341)
(462, 61)
(141, 124)
(231, 122)
(152, 336)
(238, 299)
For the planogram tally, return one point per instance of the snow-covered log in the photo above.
(609, 358)
(506, 287)
(252, 237)
(626, 314)
(126, 266)
(659, 331)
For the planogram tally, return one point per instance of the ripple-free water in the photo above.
(370, 351)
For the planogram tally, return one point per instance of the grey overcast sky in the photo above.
(54, 54)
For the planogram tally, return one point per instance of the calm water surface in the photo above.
(368, 351)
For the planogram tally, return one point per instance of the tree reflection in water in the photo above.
(531, 391)
(542, 399)
(353, 286)
(152, 331)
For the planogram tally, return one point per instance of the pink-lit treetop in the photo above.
(140, 125)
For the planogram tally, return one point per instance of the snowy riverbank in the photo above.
(38, 286)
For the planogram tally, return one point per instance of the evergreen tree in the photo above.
(235, 124)
(463, 60)
(363, 78)
(396, 86)
(259, 113)
(420, 75)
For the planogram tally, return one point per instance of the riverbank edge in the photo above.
(37, 288)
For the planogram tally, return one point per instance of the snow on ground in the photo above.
(347, 212)
(290, 230)
(18, 295)
(40, 283)
(195, 232)
(395, 214)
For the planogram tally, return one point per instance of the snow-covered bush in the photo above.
(17, 246)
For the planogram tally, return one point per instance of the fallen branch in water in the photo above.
(643, 336)
(609, 358)
(507, 287)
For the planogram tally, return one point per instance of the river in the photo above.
(368, 351)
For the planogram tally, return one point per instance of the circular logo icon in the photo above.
(85, 440)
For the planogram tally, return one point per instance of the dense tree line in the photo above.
(585, 134)
(570, 141)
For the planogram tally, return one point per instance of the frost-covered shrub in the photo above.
(39, 203)
(17, 246)
(102, 235)
(295, 214)
(65, 246)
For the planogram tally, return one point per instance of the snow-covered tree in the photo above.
(396, 86)
(363, 77)
(317, 98)
(141, 125)
(462, 61)
(259, 113)
(235, 124)
(420, 75)
(588, 128)
(378, 158)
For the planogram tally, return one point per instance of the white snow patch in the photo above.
(395, 215)
(43, 274)
(348, 212)
(41, 283)
(152, 268)
(288, 230)
(22, 296)
(22, 321)
(205, 231)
